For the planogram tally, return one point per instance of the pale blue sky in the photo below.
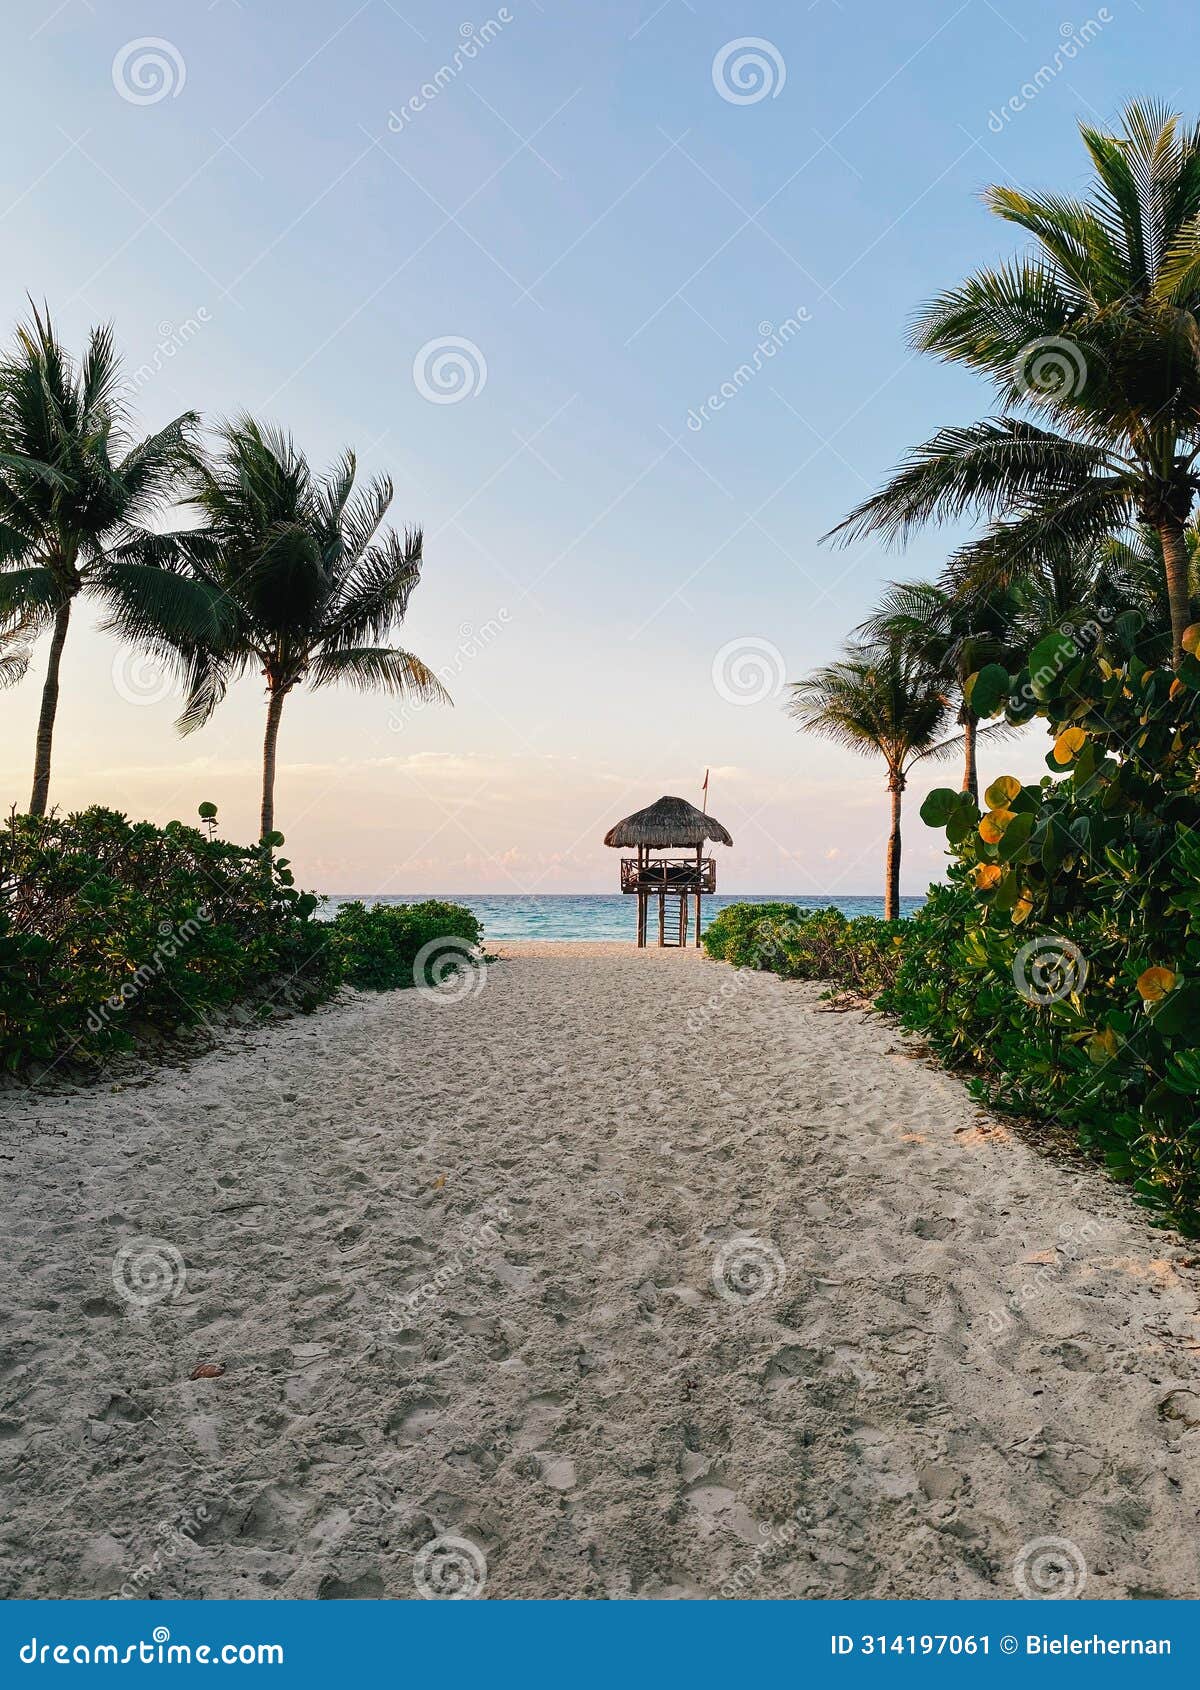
(581, 205)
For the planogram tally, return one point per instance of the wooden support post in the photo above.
(641, 899)
(662, 914)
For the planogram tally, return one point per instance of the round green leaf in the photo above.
(1016, 837)
(987, 690)
(939, 806)
(1049, 661)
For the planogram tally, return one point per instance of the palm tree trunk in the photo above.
(891, 899)
(274, 712)
(970, 781)
(44, 743)
(1176, 561)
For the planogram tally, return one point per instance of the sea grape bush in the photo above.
(1060, 964)
(1064, 958)
(112, 931)
(110, 928)
(378, 946)
(859, 954)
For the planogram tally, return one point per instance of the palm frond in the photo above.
(983, 469)
(29, 590)
(380, 669)
(875, 699)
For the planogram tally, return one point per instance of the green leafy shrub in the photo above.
(379, 947)
(860, 954)
(1064, 959)
(746, 934)
(110, 927)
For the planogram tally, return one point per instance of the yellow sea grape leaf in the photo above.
(1022, 909)
(1001, 792)
(991, 828)
(1069, 742)
(1190, 640)
(987, 875)
(1154, 984)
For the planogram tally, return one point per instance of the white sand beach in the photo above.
(457, 1260)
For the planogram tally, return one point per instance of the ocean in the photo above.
(596, 915)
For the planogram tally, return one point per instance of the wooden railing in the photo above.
(677, 874)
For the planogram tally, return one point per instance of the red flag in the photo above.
(705, 791)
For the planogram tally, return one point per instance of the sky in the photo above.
(510, 255)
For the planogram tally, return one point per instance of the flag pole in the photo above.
(704, 789)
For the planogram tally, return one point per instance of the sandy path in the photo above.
(971, 1347)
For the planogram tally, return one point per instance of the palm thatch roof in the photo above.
(669, 823)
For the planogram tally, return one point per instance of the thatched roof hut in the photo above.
(669, 824)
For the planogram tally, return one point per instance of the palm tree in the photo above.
(953, 634)
(878, 698)
(1082, 587)
(310, 582)
(1096, 333)
(14, 655)
(71, 485)
(1129, 575)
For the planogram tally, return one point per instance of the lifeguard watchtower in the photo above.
(670, 825)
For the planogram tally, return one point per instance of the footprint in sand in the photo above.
(415, 1420)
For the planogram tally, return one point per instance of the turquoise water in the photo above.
(598, 915)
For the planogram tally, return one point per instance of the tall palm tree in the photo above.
(878, 699)
(310, 582)
(71, 485)
(953, 634)
(1096, 333)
